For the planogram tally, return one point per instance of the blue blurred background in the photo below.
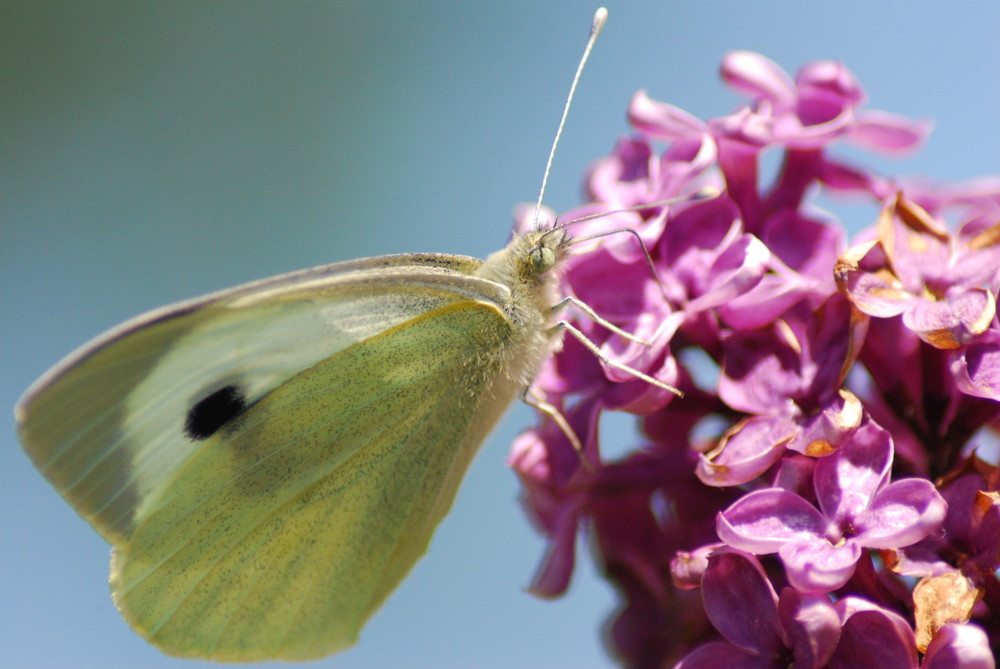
(155, 151)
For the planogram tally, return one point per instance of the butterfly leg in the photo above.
(536, 402)
(594, 316)
(600, 355)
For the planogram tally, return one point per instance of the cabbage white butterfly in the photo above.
(269, 461)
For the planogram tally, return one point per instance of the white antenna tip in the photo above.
(600, 16)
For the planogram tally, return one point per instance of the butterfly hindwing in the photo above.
(288, 528)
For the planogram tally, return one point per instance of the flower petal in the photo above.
(846, 482)
(819, 566)
(746, 451)
(811, 625)
(753, 74)
(875, 638)
(765, 520)
(887, 132)
(902, 513)
(741, 603)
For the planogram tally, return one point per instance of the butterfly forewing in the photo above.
(107, 425)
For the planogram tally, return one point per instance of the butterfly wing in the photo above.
(283, 534)
(277, 524)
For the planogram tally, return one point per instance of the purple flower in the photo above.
(788, 378)
(761, 630)
(818, 107)
(943, 286)
(858, 508)
(827, 391)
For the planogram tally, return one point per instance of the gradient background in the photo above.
(155, 151)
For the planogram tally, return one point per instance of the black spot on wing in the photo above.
(208, 415)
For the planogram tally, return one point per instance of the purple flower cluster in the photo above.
(815, 499)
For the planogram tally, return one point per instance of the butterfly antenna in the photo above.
(600, 17)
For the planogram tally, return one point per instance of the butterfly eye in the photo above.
(542, 258)
(207, 416)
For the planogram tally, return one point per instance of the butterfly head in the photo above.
(540, 252)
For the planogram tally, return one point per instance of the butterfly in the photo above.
(269, 461)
